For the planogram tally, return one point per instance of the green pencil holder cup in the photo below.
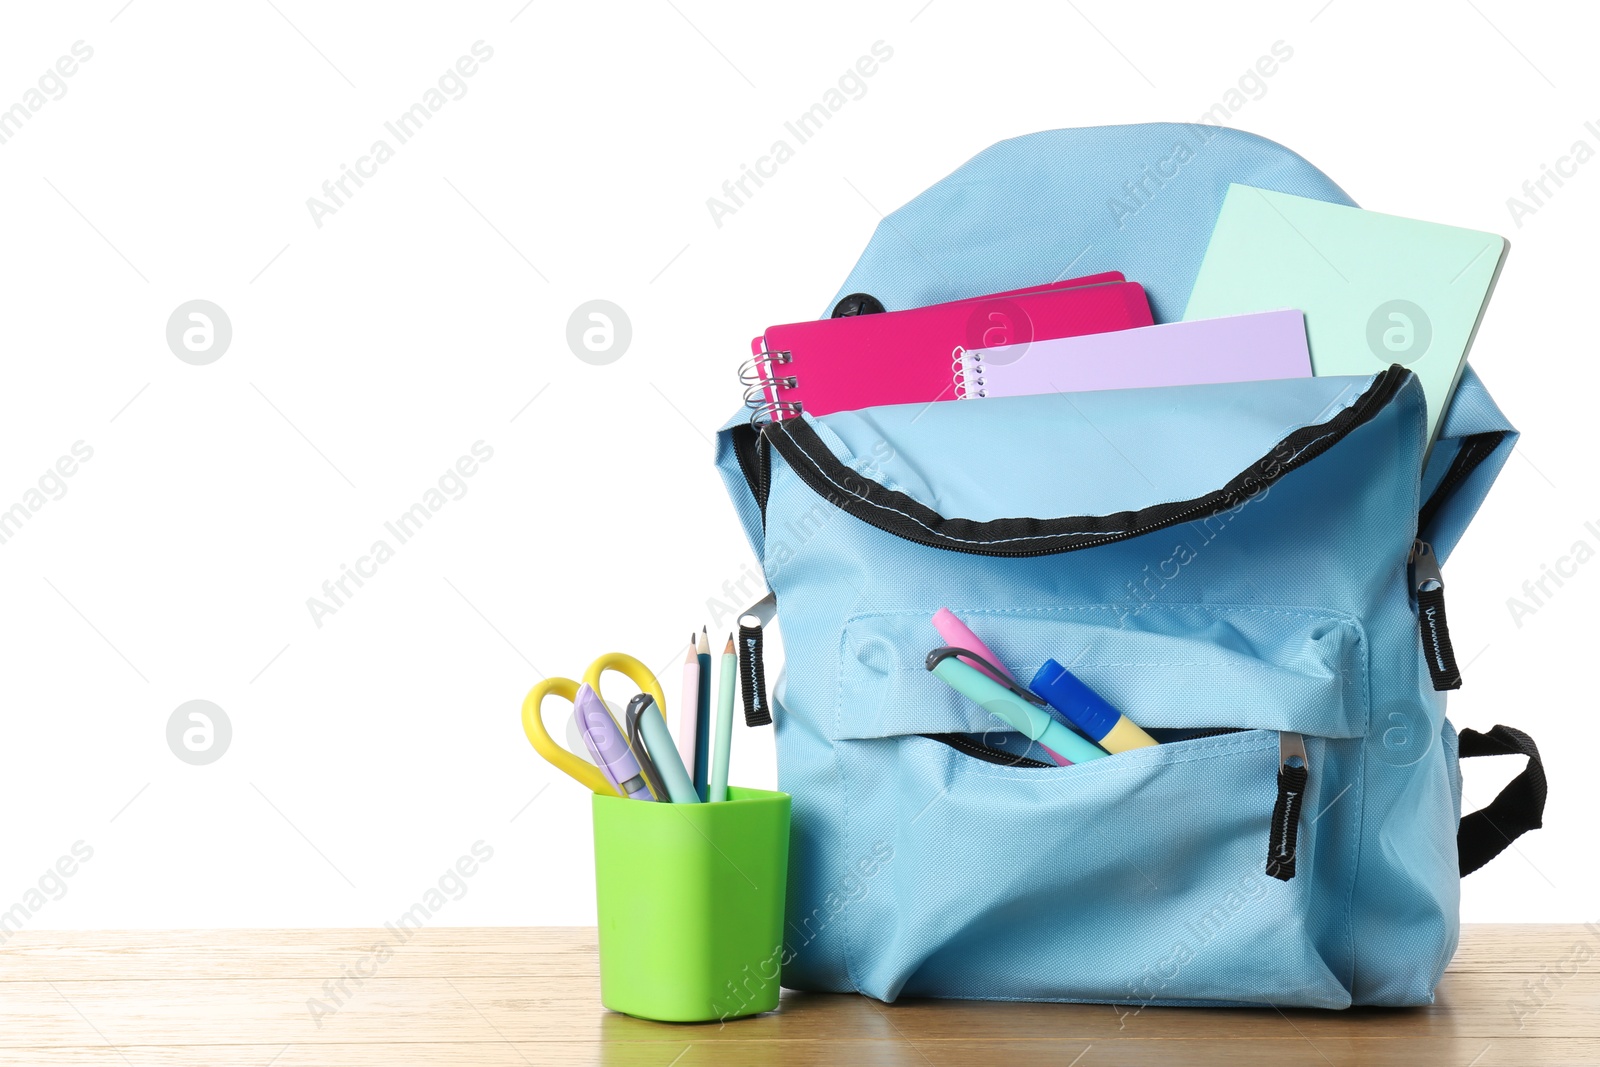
(690, 898)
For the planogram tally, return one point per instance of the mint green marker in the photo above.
(718, 788)
(1027, 719)
(662, 752)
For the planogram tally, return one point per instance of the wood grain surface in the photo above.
(1523, 995)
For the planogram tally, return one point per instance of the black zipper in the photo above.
(1473, 451)
(899, 514)
(1209, 731)
(964, 744)
(755, 463)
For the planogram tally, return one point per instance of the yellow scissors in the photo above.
(581, 770)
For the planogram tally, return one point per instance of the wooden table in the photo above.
(1523, 995)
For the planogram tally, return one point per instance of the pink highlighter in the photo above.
(958, 635)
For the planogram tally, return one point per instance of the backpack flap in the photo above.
(1141, 199)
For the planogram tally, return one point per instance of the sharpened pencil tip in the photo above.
(728, 648)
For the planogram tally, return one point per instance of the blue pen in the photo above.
(1087, 710)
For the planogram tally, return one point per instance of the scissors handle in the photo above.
(631, 669)
(582, 771)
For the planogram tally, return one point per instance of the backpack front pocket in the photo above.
(1143, 877)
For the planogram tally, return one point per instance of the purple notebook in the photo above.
(1238, 348)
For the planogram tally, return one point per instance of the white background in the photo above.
(429, 313)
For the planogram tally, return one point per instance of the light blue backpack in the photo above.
(1232, 566)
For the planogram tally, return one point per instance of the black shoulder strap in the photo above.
(1485, 833)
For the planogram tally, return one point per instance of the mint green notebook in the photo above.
(1375, 289)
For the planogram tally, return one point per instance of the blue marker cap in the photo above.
(1082, 706)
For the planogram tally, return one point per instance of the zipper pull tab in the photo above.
(1428, 585)
(752, 661)
(1293, 773)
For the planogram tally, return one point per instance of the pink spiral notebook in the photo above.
(903, 357)
(1235, 348)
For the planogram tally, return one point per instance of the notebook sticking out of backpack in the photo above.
(903, 357)
(1376, 289)
(1236, 348)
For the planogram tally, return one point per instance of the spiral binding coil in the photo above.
(970, 383)
(753, 370)
(757, 376)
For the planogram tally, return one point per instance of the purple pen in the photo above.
(608, 745)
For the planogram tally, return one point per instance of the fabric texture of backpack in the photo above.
(1229, 565)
